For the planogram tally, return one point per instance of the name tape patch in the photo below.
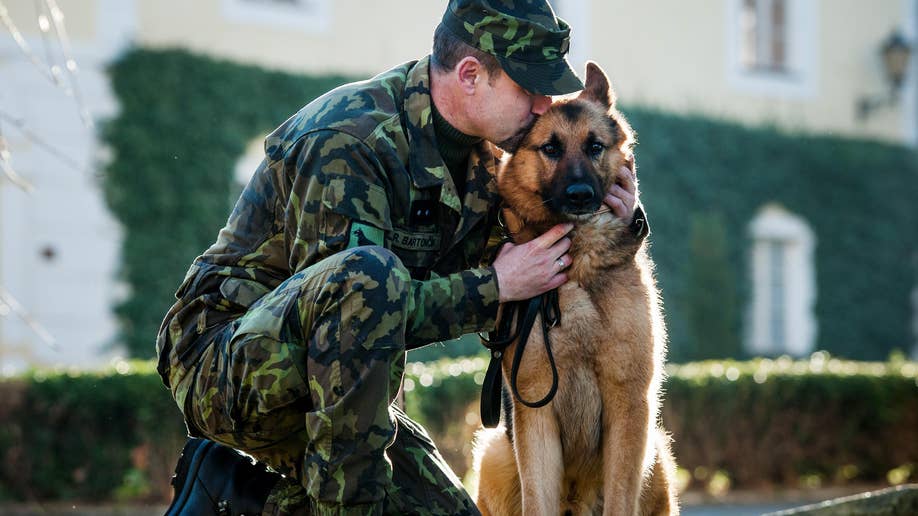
(415, 241)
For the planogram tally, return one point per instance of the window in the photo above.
(306, 15)
(772, 47)
(777, 249)
(288, 3)
(783, 285)
(764, 35)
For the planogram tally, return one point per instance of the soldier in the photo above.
(362, 235)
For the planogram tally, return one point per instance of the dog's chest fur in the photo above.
(599, 319)
(578, 404)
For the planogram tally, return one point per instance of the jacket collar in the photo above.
(426, 166)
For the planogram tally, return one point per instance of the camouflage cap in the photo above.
(525, 36)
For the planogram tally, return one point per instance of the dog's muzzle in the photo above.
(580, 198)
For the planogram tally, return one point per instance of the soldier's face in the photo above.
(506, 110)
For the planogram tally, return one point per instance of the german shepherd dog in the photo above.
(596, 448)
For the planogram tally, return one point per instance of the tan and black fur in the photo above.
(596, 448)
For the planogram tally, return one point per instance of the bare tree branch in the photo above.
(8, 304)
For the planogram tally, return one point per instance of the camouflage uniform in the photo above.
(288, 340)
(349, 246)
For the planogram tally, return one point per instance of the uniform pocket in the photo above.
(353, 213)
(268, 316)
(357, 200)
(242, 291)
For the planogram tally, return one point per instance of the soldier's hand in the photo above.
(622, 196)
(527, 270)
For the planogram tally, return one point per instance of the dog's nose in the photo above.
(579, 194)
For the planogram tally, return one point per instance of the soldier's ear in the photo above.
(469, 73)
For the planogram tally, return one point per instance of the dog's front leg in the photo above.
(537, 442)
(625, 421)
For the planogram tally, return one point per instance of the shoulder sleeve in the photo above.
(338, 198)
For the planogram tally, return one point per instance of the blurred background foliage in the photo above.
(185, 121)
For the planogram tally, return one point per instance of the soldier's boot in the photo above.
(212, 479)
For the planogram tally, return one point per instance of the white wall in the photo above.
(71, 294)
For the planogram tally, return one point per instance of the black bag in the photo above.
(212, 479)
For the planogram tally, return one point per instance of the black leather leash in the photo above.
(497, 342)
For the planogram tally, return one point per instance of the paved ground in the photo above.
(88, 510)
(63, 509)
(756, 503)
(736, 510)
(734, 504)
(84, 510)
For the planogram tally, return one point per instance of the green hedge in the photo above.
(781, 423)
(88, 436)
(759, 423)
(185, 120)
(116, 435)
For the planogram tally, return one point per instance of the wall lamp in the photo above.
(896, 53)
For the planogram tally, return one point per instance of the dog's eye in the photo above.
(595, 149)
(551, 150)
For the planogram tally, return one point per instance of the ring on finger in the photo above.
(560, 262)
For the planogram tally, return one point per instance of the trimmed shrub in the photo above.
(760, 423)
(88, 436)
(785, 423)
(780, 423)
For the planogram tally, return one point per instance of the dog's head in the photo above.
(563, 167)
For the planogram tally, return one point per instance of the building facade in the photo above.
(801, 65)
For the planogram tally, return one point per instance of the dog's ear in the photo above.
(597, 86)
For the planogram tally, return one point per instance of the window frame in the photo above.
(798, 77)
(762, 33)
(774, 226)
(310, 16)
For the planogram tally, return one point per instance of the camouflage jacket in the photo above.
(357, 166)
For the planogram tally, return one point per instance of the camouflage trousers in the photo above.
(305, 382)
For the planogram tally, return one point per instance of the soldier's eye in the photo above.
(595, 149)
(551, 150)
